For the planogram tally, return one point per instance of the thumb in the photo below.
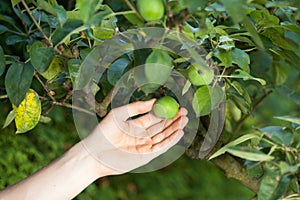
(135, 108)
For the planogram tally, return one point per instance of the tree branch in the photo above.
(36, 23)
(233, 169)
(44, 86)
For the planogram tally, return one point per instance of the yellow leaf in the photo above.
(56, 67)
(28, 113)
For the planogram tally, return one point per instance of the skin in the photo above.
(117, 138)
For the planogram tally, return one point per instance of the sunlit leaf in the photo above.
(15, 2)
(206, 98)
(224, 56)
(249, 154)
(234, 143)
(27, 114)
(245, 76)
(87, 8)
(56, 67)
(295, 120)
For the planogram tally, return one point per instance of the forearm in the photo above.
(63, 179)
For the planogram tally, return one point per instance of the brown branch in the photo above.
(233, 169)
(44, 86)
(101, 108)
(72, 107)
(258, 103)
(36, 23)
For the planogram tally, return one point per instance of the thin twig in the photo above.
(36, 23)
(45, 87)
(133, 8)
(101, 108)
(258, 103)
(73, 107)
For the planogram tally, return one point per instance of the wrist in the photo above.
(96, 167)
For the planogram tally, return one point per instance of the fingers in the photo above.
(178, 124)
(146, 121)
(168, 142)
(133, 109)
(159, 127)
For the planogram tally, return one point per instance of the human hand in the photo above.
(123, 144)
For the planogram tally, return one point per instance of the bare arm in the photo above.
(94, 157)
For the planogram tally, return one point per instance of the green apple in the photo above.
(151, 10)
(166, 107)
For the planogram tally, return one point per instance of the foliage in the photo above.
(253, 44)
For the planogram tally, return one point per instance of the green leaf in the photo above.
(69, 27)
(186, 87)
(97, 18)
(158, 67)
(280, 72)
(10, 117)
(56, 67)
(249, 154)
(3, 29)
(17, 81)
(116, 70)
(245, 76)
(278, 134)
(241, 58)
(242, 91)
(73, 66)
(224, 56)
(41, 56)
(233, 112)
(46, 6)
(192, 5)
(264, 19)
(295, 120)
(15, 2)
(237, 9)
(61, 14)
(2, 61)
(269, 184)
(249, 26)
(87, 8)
(45, 119)
(206, 98)
(285, 168)
(27, 114)
(289, 93)
(234, 143)
(132, 18)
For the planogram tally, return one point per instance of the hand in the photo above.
(124, 144)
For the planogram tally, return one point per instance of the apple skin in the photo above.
(166, 107)
(151, 10)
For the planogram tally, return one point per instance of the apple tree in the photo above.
(230, 56)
